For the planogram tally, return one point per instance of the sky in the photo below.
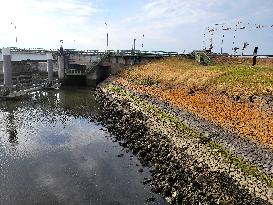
(168, 25)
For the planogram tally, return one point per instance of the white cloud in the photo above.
(40, 21)
(64, 7)
(169, 13)
(159, 20)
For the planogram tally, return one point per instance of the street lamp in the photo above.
(134, 44)
(14, 31)
(75, 44)
(61, 48)
(223, 36)
(142, 40)
(204, 42)
(107, 35)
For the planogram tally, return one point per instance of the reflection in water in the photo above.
(57, 95)
(62, 156)
(11, 130)
(11, 126)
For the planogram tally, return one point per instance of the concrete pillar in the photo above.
(7, 68)
(61, 67)
(49, 66)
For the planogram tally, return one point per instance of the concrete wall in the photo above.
(83, 59)
(42, 66)
(98, 75)
(117, 63)
(120, 63)
(24, 67)
(115, 68)
(17, 67)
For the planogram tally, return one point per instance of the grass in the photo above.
(251, 80)
(229, 157)
(221, 92)
(237, 78)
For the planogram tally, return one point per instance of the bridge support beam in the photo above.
(49, 66)
(61, 67)
(7, 67)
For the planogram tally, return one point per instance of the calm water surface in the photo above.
(52, 151)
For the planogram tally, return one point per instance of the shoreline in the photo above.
(142, 124)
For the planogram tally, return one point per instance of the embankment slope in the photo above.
(213, 124)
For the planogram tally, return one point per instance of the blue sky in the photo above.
(170, 25)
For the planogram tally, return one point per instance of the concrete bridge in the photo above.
(78, 67)
(92, 68)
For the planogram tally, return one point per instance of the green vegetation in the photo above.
(250, 80)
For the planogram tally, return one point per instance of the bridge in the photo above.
(40, 54)
(85, 66)
(30, 69)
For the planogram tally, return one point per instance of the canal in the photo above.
(53, 151)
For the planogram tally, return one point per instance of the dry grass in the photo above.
(206, 91)
(237, 79)
(172, 73)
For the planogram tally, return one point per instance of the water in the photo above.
(52, 151)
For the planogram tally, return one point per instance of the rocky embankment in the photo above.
(188, 165)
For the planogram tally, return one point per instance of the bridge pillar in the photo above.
(7, 68)
(49, 66)
(61, 67)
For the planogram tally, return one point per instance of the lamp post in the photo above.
(223, 35)
(14, 26)
(204, 43)
(210, 32)
(107, 35)
(61, 47)
(134, 43)
(221, 25)
(222, 42)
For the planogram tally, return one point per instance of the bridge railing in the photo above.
(95, 52)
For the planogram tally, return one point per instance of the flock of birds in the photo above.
(222, 29)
